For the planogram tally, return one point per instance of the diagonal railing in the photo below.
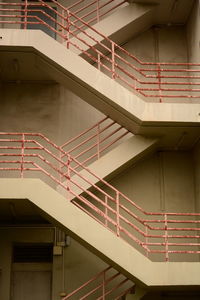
(164, 234)
(93, 11)
(94, 142)
(159, 81)
(108, 283)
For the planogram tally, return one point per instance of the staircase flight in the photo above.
(33, 155)
(158, 81)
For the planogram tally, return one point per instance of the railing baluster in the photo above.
(68, 28)
(117, 213)
(159, 82)
(98, 141)
(146, 240)
(113, 59)
(22, 156)
(166, 239)
(68, 175)
(60, 166)
(63, 25)
(106, 211)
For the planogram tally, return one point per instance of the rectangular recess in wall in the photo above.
(32, 253)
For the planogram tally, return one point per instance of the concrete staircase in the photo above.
(98, 239)
(96, 88)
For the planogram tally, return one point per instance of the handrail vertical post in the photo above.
(106, 211)
(113, 59)
(166, 240)
(25, 13)
(22, 157)
(146, 240)
(68, 174)
(63, 25)
(60, 166)
(117, 213)
(159, 82)
(68, 28)
(98, 141)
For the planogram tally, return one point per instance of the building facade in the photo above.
(99, 149)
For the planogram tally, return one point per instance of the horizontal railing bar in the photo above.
(91, 137)
(87, 283)
(172, 244)
(113, 289)
(124, 293)
(84, 132)
(104, 148)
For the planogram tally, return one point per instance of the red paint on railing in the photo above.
(95, 141)
(157, 80)
(108, 282)
(93, 11)
(28, 153)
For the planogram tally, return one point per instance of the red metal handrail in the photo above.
(150, 232)
(107, 282)
(155, 80)
(95, 141)
(93, 11)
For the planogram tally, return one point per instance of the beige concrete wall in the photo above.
(164, 182)
(47, 108)
(193, 33)
(80, 264)
(168, 172)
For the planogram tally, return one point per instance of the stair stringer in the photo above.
(108, 96)
(98, 239)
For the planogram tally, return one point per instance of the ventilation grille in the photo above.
(32, 253)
